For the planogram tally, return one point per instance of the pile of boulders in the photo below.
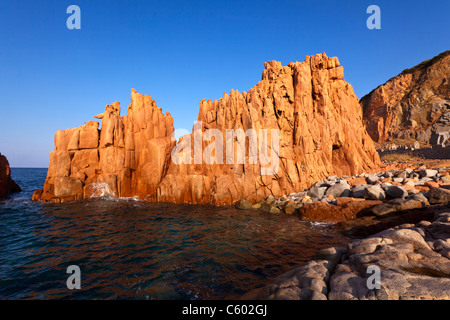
(378, 194)
(412, 262)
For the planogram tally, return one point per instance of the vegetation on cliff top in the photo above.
(422, 65)
(427, 63)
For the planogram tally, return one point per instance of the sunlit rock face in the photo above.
(302, 122)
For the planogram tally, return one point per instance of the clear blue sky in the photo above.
(180, 52)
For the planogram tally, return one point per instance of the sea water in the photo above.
(130, 249)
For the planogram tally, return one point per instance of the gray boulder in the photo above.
(397, 192)
(267, 207)
(386, 185)
(419, 197)
(395, 205)
(317, 192)
(359, 191)
(402, 174)
(372, 178)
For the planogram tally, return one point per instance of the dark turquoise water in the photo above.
(129, 249)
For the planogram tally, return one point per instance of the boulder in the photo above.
(359, 191)
(395, 205)
(317, 192)
(421, 198)
(428, 173)
(403, 174)
(356, 181)
(372, 178)
(291, 208)
(243, 204)
(431, 184)
(341, 189)
(396, 192)
(308, 105)
(404, 236)
(7, 184)
(374, 193)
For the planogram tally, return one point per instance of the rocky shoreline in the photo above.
(413, 262)
(413, 257)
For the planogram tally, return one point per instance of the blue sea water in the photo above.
(128, 249)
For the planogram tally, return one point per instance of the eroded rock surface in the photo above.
(314, 110)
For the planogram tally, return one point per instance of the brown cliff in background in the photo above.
(7, 184)
(413, 105)
(320, 134)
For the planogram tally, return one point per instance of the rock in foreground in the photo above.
(7, 184)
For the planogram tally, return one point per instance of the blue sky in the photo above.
(180, 52)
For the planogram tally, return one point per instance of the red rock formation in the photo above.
(7, 184)
(407, 106)
(314, 111)
(127, 158)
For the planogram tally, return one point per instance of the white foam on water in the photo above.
(102, 190)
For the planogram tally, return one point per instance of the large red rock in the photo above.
(346, 209)
(127, 157)
(7, 184)
(310, 106)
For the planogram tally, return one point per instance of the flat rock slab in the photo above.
(411, 264)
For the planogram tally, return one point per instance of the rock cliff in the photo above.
(7, 184)
(313, 124)
(414, 105)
